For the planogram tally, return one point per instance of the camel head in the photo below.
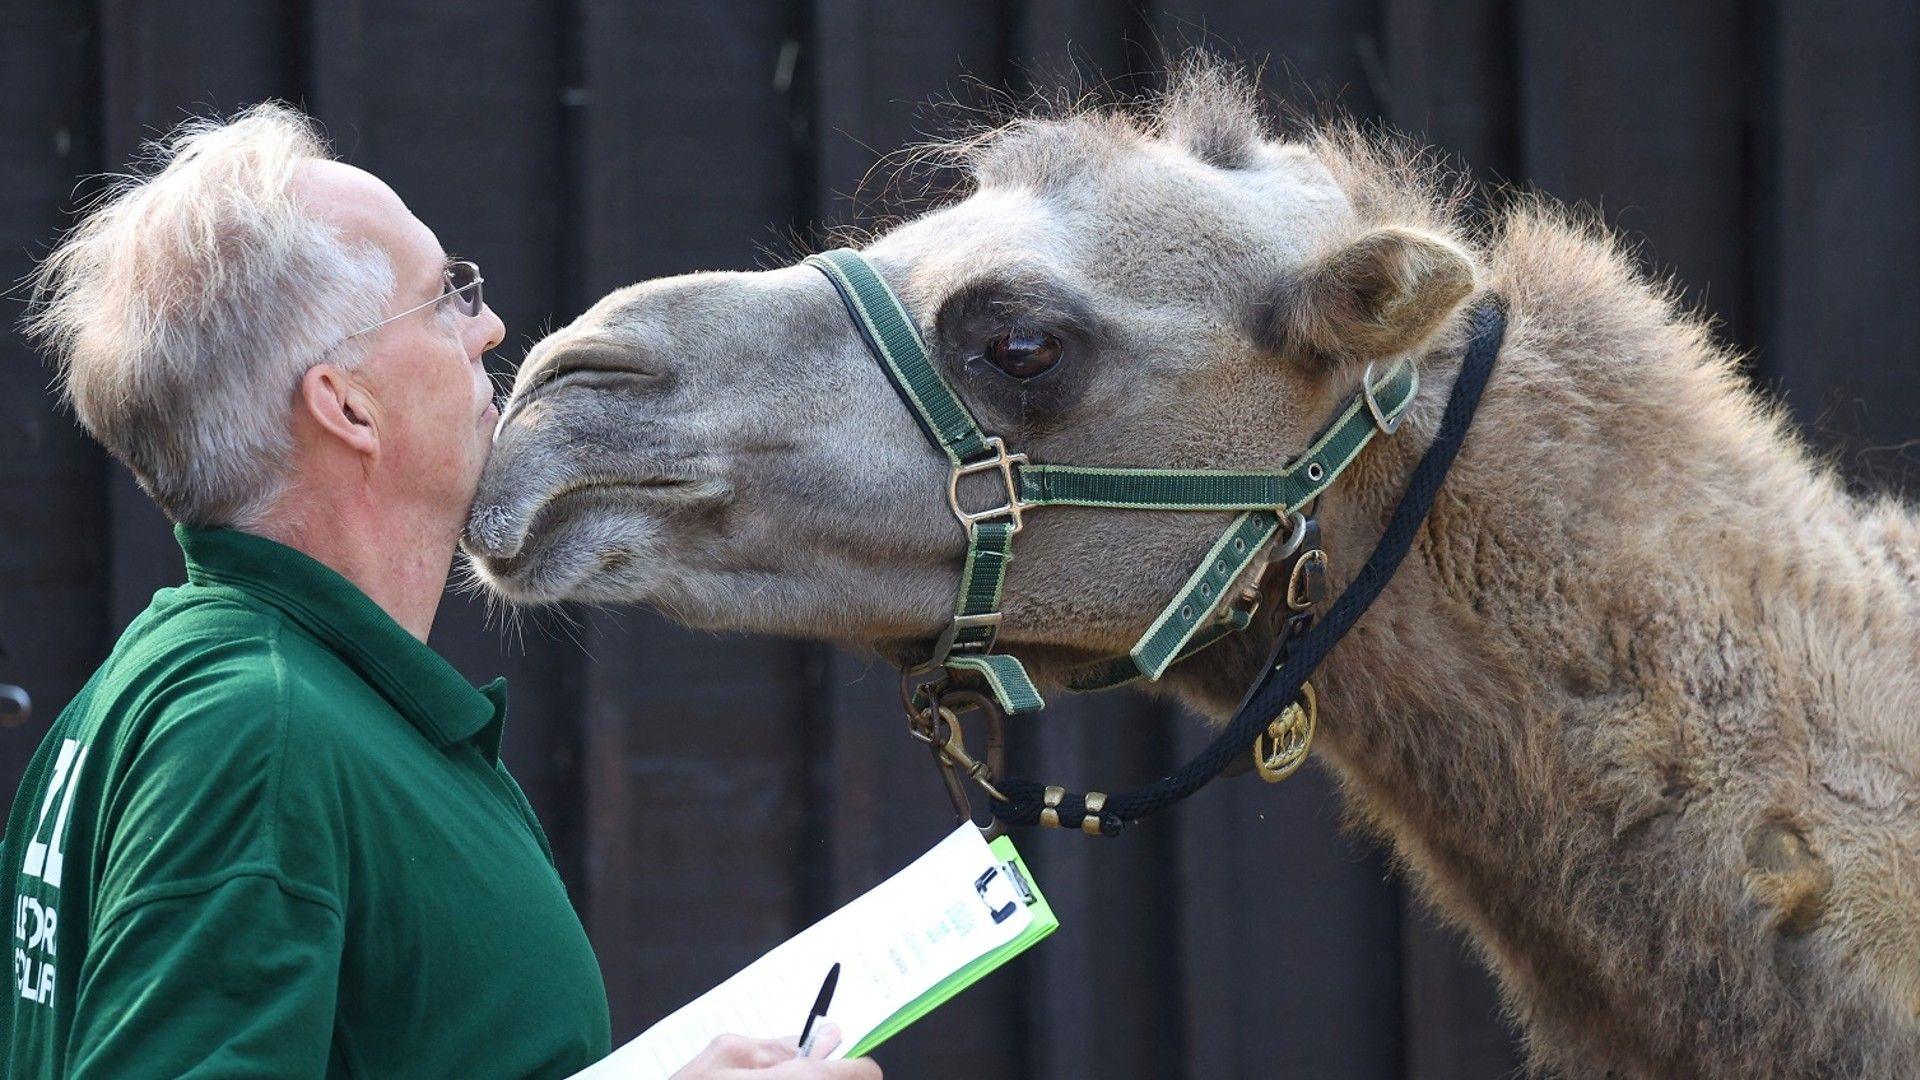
(1171, 287)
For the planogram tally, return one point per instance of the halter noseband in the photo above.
(1200, 612)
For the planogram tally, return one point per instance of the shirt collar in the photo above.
(418, 682)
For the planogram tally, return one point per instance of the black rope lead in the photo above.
(1028, 802)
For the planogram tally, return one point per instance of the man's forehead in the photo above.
(361, 204)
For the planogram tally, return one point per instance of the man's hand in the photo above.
(736, 1056)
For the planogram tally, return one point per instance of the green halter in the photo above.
(1189, 621)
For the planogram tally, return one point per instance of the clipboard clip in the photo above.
(934, 709)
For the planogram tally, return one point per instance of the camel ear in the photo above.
(1382, 295)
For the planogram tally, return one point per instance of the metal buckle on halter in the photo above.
(1002, 461)
(943, 645)
(1307, 581)
(1387, 427)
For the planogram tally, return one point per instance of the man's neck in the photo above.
(400, 563)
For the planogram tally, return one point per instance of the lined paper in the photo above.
(946, 909)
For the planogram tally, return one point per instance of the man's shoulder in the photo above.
(209, 694)
(214, 745)
(213, 663)
(239, 737)
(189, 666)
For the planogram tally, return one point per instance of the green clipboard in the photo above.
(1044, 923)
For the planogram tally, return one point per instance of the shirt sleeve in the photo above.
(239, 979)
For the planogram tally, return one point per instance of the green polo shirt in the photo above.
(272, 837)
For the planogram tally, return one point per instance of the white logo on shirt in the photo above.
(46, 858)
(34, 921)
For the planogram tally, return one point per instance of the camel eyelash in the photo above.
(976, 313)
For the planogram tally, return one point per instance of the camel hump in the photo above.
(1786, 875)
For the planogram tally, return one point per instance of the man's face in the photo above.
(431, 400)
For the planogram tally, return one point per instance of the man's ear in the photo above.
(339, 406)
(1382, 295)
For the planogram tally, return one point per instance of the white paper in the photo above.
(946, 909)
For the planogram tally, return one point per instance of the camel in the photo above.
(1640, 712)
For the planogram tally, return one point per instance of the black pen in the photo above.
(819, 1010)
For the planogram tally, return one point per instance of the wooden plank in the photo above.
(163, 62)
(688, 155)
(159, 64)
(635, 140)
(474, 157)
(877, 69)
(1455, 1029)
(465, 126)
(1290, 928)
(54, 625)
(1841, 283)
(1100, 997)
(1289, 931)
(1450, 80)
(694, 780)
(1318, 55)
(874, 68)
(1106, 990)
(696, 743)
(1079, 44)
(1631, 108)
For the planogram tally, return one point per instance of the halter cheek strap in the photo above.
(1198, 614)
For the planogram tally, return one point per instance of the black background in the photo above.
(1767, 154)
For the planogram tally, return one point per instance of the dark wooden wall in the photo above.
(708, 796)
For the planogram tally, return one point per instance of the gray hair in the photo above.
(182, 311)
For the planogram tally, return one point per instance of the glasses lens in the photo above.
(463, 281)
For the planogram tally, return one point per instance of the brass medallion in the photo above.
(1279, 750)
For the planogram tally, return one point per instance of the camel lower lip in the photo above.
(556, 512)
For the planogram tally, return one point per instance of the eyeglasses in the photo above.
(462, 280)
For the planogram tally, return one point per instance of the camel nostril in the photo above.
(600, 354)
(594, 362)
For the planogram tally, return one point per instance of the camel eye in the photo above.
(1024, 355)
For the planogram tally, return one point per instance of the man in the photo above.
(272, 835)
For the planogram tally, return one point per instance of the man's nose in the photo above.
(496, 329)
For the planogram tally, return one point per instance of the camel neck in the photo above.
(1594, 494)
(1635, 610)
